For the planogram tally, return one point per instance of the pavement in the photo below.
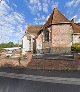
(54, 56)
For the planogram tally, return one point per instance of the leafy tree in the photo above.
(8, 45)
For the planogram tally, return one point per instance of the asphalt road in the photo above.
(52, 73)
(18, 85)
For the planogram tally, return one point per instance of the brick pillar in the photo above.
(29, 57)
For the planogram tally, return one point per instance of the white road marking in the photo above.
(75, 81)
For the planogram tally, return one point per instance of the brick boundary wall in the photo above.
(48, 64)
(55, 64)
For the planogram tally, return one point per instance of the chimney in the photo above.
(73, 20)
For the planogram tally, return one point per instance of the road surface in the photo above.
(17, 85)
(49, 73)
(13, 82)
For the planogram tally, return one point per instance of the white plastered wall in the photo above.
(25, 44)
(76, 38)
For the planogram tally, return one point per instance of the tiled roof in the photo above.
(56, 17)
(33, 29)
(76, 28)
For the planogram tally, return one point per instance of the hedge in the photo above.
(75, 47)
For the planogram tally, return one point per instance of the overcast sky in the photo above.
(15, 15)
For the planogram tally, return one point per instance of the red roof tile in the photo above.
(56, 17)
(33, 29)
(76, 28)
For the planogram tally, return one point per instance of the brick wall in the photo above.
(54, 64)
(61, 38)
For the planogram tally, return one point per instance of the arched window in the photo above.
(46, 35)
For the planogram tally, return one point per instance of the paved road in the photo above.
(18, 85)
(26, 80)
(75, 81)
(52, 73)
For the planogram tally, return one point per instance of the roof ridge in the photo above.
(61, 13)
(76, 27)
(77, 24)
(54, 18)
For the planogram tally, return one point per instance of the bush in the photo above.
(75, 47)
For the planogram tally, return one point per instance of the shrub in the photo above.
(75, 47)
